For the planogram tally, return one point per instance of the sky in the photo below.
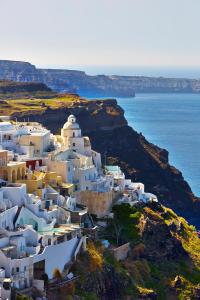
(75, 33)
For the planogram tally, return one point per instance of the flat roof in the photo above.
(112, 168)
(39, 133)
(67, 185)
(13, 163)
(8, 248)
(62, 229)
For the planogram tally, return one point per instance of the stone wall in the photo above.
(98, 203)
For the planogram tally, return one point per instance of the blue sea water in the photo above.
(157, 71)
(171, 121)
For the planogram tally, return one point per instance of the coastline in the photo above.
(105, 124)
(161, 118)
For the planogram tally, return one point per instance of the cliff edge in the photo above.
(73, 81)
(104, 122)
(161, 262)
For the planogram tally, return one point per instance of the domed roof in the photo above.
(71, 123)
(72, 118)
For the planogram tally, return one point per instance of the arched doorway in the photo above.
(18, 174)
(33, 223)
(13, 176)
(5, 175)
(23, 173)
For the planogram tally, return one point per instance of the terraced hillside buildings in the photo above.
(49, 187)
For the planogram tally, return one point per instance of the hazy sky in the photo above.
(101, 32)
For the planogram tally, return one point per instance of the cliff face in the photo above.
(18, 87)
(120, 86)
(97, 116)
(26, 72)
(19, 71)
(105, 124)
(99, 86)
(144, 162)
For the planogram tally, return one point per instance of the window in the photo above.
(73, 134)
(74, 144)
(17, 269)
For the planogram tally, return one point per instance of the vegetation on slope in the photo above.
(165, 253)
(36, 105)
(163, 263)
(12, 89)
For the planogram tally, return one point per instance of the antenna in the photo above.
(105, 157)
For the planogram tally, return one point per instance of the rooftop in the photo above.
(62, 229)
(6, 126)
(113, 168)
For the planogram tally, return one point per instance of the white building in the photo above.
(73, 139)
(8, 134)
(118, 175)
(31, 234)
(27, 139)
(76, 162)
(36, 234)
(16, 255)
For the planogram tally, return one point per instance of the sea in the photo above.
(170, 120)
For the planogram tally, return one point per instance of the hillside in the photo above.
(163, 261)
(73, 81)
(164, 258)
(104, 122)
(25, 72)
(7, 86)
(12, 89)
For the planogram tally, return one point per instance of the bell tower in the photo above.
(71, 132)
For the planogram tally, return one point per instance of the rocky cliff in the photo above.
(104, 122)
(100, 85)
(8, 86)
(163, 261)
(25, 72)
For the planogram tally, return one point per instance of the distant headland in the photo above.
(73, 81)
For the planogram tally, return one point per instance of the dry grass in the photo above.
(24, 105)
(95, 258)
(153, 215)
(112, 111)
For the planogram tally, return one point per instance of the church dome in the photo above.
(71, 123)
